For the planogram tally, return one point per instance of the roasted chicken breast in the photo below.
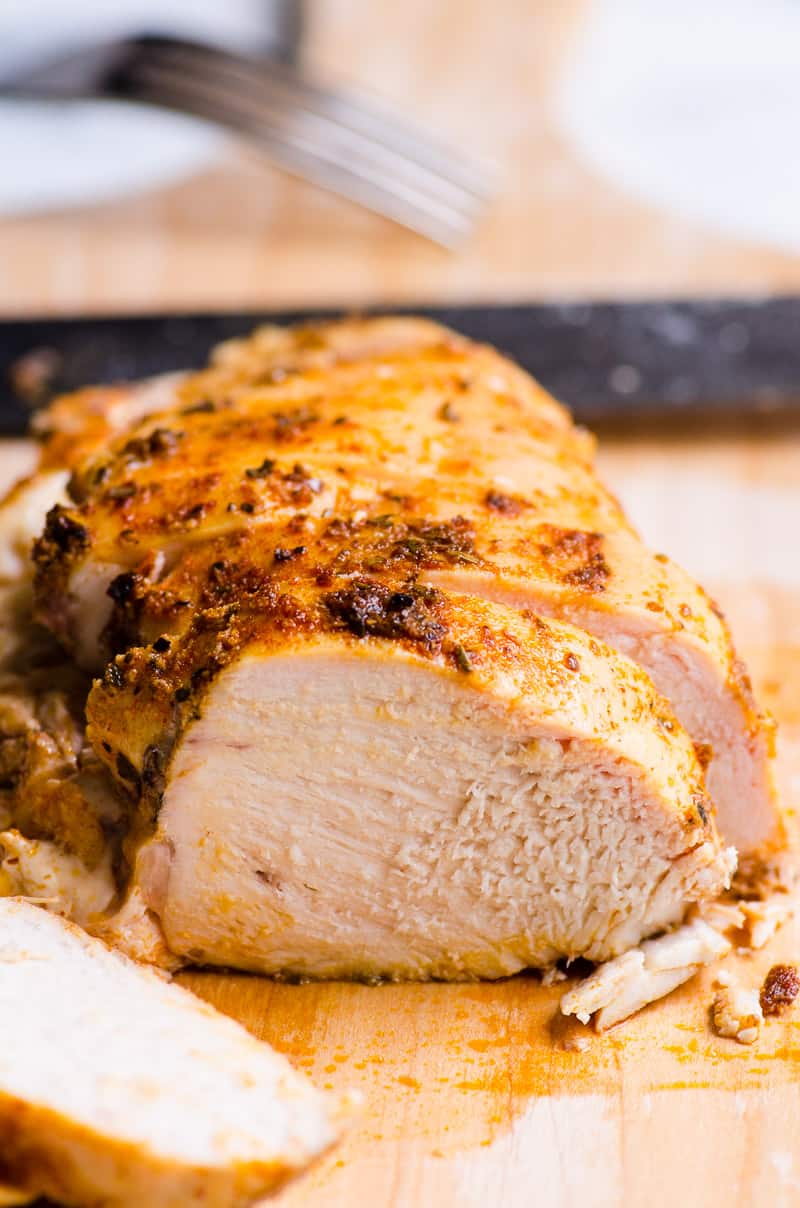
(403, 423)
(387, 683)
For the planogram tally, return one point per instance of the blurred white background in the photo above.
(89, 152)
(694, 107)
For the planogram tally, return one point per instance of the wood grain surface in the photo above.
(469, 1096)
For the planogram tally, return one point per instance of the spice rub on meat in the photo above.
(385, 780)
(365, 621)
(368, 418)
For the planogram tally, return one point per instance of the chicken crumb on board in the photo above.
(780, 989)
(736, 1012)
(619, 988)
(622, 986)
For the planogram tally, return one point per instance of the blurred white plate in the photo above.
(56, 155)
(693, 108)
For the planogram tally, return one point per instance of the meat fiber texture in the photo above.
(388, 685)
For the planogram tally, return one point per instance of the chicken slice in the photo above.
(117, 1088)
(391, 782)
(406, 421)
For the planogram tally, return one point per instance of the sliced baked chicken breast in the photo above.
(382, 780)
(400, 424)
(117, 1088)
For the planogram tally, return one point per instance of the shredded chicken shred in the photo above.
(621, 987)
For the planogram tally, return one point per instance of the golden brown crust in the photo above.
(160, 689)
(377, 448)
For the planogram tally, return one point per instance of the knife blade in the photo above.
(619, 361)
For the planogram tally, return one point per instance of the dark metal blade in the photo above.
(607, 361)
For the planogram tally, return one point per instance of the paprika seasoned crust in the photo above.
(72, 427)
(382, 779)
(402, 422)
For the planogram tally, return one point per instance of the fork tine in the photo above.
(422, 200)
(211, 65)
(368, 116)
(360, 182)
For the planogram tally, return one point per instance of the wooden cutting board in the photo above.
(470, 1098)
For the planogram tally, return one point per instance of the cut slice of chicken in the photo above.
(460, 791)
(120, 1089)
(373, 419)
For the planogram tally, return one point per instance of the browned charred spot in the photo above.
(63, 535)
(506, 504)
(189, 515)
(126, 771)
(449, 541)
(448, 413)
(661, 558)
(219, 572)
(121, 588)
(385, 541)
(289, 555)
(780, 989)
(576, 556)
(299, 486)
(288, 425)
(704, 752)
(571, 662)
(372, 609)
(262, 471)
(120, 493)
(133, 595)
(340, 529)
(685, 611)
(160, 443)
(80, 485)
(161, 645)
(654, 606)
(298, 523)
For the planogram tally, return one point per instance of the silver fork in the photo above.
(352, 146)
